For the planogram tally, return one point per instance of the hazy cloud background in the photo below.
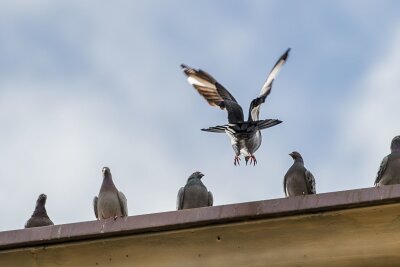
(87, 84)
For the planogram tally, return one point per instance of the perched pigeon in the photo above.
(245, 135)
(389, 171)
(110, 203)
(298, 180)
(194, 194)
(39, 216)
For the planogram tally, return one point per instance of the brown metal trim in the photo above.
(175, 220)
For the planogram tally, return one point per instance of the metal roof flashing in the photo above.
(192, 218)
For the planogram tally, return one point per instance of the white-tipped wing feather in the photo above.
(254, 109)
(274, 72)
(210, 199)
(95, 207)
(381, 170)
(179, 199)
(124, 203)
(310, 182)
(212, 91)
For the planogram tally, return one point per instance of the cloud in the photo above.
(57, 144)
(369, 120)
(84, 87)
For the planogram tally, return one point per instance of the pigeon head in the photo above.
(107, 177)
(196, 175)
(106, 172)
(296, 156)
(395, 145)
(41, 200)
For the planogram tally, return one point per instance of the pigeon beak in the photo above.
(201, 175)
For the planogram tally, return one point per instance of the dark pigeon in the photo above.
(298, 180)
(110, 203)
(245, 135)
(194, 194)
(39, 216)
(389, 171)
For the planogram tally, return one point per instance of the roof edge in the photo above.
(183, 219)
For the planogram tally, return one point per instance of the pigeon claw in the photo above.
(236, 161)
(115, 217)
(253, 160)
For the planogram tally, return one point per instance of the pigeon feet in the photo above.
(253, 160)
(115, 218)
(236, 161)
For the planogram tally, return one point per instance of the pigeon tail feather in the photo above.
(216, 129)
(264, 124)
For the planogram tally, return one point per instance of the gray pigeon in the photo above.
(298, 180)
(39, 216)
(245, 135)
(389, 171)
(194, 194)
(110, 203)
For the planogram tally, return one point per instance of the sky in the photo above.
(87, 84)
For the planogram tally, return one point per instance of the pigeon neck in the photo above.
(108, 181)
(40, 210)
(395, 145)
(395, 150)
(299, 160)
(194, 181)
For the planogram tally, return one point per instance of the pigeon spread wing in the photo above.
(254, 110)
(381, 170)
(214, 93)
(124, 203)
(179, 200)
(284, 185)
(95, 206)
(310, 180)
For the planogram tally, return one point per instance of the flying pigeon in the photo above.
(245, 135)
(298, 180)
(194, 194)
(389, 171)
(39, 216)
(110, 203)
